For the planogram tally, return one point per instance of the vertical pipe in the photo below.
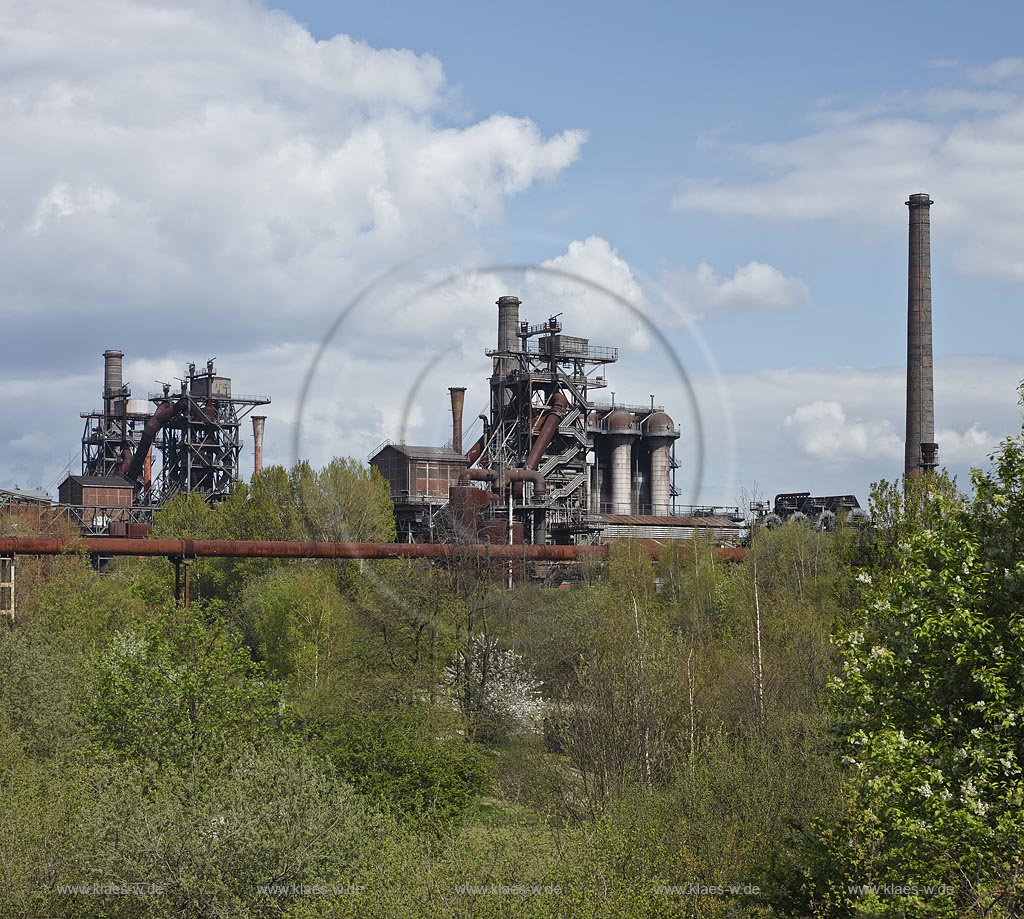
(258, 424)
(147, 470)
(920, 383)
(458, 394)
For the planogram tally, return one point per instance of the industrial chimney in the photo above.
(258, 423)
(113, 380)
(921, 449)
(458, 394)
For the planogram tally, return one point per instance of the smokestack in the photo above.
(258, 423)
(458, 394)
(508, 326)
(921, 449)
(112, 378)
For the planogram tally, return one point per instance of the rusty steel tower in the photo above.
(921, 450)
(538, 419)
(197, 435)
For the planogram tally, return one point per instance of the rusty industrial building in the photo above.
(137, 454)
(552, 465)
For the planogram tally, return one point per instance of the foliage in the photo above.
(412, 728)
(402, 759)
(930, 702)
(178, 689)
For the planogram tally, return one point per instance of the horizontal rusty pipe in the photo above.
(518, 476)
(240, 548)
(477, 475)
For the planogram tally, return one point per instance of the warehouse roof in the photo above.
(100, 481)
(429, 454)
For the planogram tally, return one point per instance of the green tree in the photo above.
(178, 689)
(930, 703)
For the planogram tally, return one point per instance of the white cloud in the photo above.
(834, 430)
(971, 447)
(857, 164)
(590, 283)
(1004, 70)
(823, 431)
(755, 286)
(212, 159)
(203, 177)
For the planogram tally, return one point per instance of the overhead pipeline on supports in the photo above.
(239, 548)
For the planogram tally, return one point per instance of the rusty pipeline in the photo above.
(477, 475)
(238, 548)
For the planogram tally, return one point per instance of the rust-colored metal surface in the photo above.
(518, 476)
(132, 465)
(259, 423)
(478, 475)
(239, 548)
(234, 548)
(478, 448)
(458, 396)
(554, 413)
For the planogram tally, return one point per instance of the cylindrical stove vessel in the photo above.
(920, 382)
(619, 424)
(661, 483)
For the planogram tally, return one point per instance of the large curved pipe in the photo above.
(517, 476)
(555, 411)
(132, 465)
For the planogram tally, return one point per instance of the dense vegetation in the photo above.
(682, 738)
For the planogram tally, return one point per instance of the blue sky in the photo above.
(189, 179)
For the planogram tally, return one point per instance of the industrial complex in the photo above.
(553, 466)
